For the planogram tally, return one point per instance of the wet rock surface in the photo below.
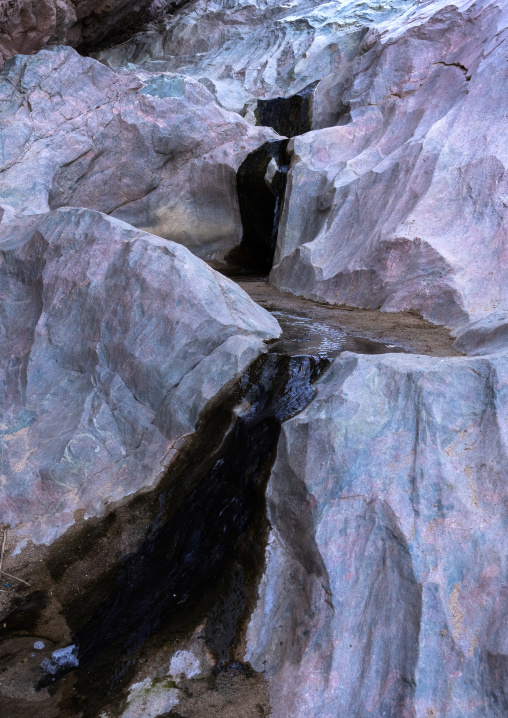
(327, 330)
(261, 185)
(288, 116)
(93, 401)
(385, 576)
(194, 554)
(233, 497)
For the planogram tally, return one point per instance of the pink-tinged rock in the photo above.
(403, 203)
(27, 25)
(112, 341)
(159, 154)
(385, 589)
(251, 49)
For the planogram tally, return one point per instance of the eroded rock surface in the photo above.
(384, 588)
(404, 206)
(385, 581)
(159, 154)
(26, 26)
(244, 51)
(113, 341)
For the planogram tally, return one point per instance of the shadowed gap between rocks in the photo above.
(288, 116)
(261, 185)
(203, 550)
(130, 20)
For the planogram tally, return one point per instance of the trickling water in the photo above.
(211, 535)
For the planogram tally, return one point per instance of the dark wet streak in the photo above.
(216, 530)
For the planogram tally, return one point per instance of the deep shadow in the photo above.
(261, 184)
(289, 116)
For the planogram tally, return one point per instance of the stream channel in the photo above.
(190, 553)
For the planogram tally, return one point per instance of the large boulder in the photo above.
(113, 341)
(244, 51)
(158, 154)
(401, 204)
(27, 25)
(385, 587)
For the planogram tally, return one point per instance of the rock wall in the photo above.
(113, 341)
(127, 364)
(26, 26)
(386, 570)
(158, 154)
(244, 51)
(403, 207)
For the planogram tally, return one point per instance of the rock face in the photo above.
(159, 154)
(385, 581)
(404, 206)
(137, 432)
(244, 51)
(113, 341)
(27, 25)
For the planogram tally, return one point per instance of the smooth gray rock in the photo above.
(248, 50)
(488, 335)
(384, 592)
(159, 154)
(112, 341)
(404, 207)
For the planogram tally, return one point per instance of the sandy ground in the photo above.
(304, 321)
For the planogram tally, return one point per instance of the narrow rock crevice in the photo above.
(288, 116)
(261, 184)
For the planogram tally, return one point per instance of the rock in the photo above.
(488, 335)
(27, 25)
(149, 699)
(385, 585)
(289, 116)
(404, 207)
(159, 154)
(253, 50)
(113, 342)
